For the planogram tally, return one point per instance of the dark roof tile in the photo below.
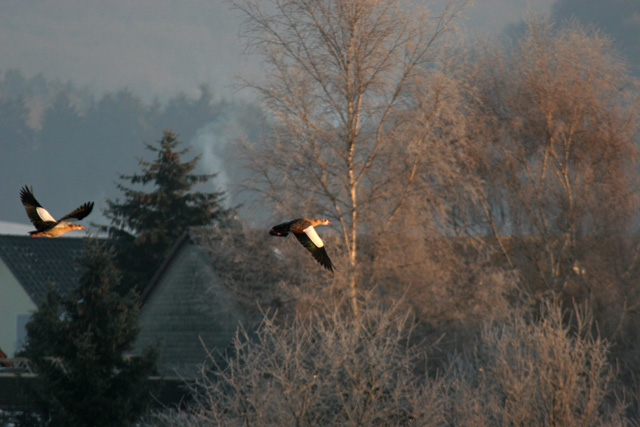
(36, 261)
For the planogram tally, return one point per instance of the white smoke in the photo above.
(217, 142)
(211, 141)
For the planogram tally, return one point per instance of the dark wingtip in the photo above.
(23, 192)
(85, 209)
(330, 267)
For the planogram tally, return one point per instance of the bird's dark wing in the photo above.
(36, 213)
(276, 232)
(319, 253)
(283, 229)
(80, 212)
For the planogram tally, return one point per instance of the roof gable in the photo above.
(238, 256)
(38, 261)
(188, 313)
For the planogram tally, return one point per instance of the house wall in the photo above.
(188, 308)
(14, 301)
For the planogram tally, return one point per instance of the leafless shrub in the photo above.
(328, 367)
(536, 372)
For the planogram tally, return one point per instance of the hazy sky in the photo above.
(151, 46)
(156, 47)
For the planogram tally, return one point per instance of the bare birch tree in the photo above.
(338, 87)
(556, 158)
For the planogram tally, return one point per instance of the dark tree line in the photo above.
(56, 136)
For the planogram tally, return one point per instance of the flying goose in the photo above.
(306, 234)
(45, 224)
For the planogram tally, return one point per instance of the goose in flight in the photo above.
(306, 234)
(42, 220)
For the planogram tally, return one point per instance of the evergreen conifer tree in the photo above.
(79, 345)
(145, 224)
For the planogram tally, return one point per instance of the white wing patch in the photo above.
(311, 233)
(44, 215)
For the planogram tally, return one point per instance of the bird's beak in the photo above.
(82, 228)
(329, 222)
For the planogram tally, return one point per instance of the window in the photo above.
(21, 330)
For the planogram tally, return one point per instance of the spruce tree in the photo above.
(145, 224)
(79, 346)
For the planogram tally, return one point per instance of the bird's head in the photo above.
(322, 222)
(76, 227)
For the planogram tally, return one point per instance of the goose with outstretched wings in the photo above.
(42, 220)
(306, 234)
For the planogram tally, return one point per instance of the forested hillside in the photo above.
(73, 143)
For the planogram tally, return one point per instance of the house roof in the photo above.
(38, 261)
(238, 256)
(150, 287)
(213, 279)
